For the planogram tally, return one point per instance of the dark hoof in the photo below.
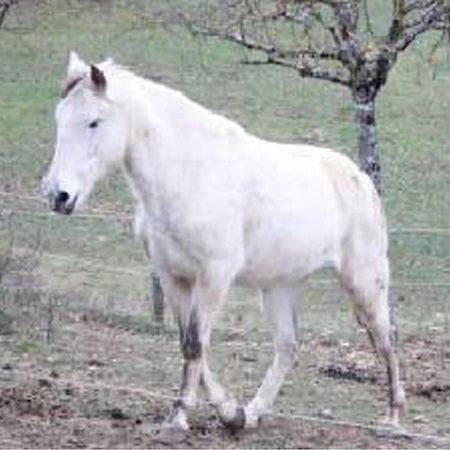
(237, 423)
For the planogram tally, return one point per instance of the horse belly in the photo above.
(299, 232)
(281, 260)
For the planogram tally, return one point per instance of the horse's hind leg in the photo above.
(279, 309)
(367, 282)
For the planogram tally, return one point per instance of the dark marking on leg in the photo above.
(184, 376)
(191, 345)
(181, 330)
(372, 340)
(179, 404)
(391, 386)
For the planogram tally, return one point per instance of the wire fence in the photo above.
(140, 271)
(103, 214)
(94, 213)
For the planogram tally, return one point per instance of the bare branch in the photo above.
(319, 73)
(369, 27)
(294, 59)
(420, 5)
(346, 44)
(426, 20)
(442, 25)
(422, 15)
(305, 71)
(270, 50)
(334, 35)
(398, 19)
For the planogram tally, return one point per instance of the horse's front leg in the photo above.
(178, 293)
(231, 414)
(194, 308)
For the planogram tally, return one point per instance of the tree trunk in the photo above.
(369, 158)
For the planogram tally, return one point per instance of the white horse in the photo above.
(219, 206)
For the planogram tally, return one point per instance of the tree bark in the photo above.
(368, 155)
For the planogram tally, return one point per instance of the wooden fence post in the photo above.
(157, 297)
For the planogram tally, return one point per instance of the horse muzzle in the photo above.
(62, 203)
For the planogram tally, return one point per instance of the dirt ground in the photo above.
(108, 381)
(48, 414)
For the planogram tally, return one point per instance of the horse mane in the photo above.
(68, 85)
(182, 104)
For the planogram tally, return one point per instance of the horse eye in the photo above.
(94, 124)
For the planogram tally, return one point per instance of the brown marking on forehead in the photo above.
(69, 85)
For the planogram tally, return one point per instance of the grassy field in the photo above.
(85, 346)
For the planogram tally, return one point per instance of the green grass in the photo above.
(413, 113)
(413, 120)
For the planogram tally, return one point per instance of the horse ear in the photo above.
(98, 78)
(76, 67)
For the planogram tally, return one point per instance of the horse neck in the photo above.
(160, 125)
(166, 127)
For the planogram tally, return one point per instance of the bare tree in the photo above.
(330, 40)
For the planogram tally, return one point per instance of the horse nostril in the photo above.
(61, 198)
(63, 203)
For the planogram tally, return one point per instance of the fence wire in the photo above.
(106, 214)
(91, 262)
